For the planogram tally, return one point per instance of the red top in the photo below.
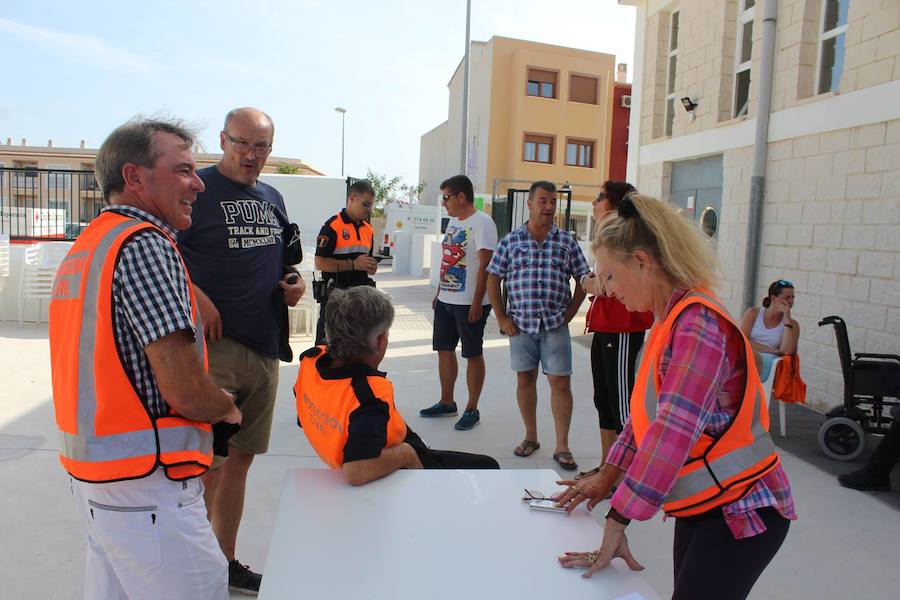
(608, 315)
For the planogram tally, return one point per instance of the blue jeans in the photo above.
(552, 349)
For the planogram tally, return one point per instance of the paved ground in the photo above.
(844, 545)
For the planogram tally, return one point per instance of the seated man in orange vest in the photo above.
(345, 405)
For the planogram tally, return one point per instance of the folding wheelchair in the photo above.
(868, 380)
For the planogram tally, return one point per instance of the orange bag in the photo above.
(789, 386)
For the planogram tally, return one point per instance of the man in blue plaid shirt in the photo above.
(536, 261)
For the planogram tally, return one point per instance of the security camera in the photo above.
(689, 105)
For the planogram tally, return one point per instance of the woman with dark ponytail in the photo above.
(771, 329)
(618, 337)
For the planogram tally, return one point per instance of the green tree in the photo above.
(391, 189)
(413, 191)
(385, 190)
(284, 168)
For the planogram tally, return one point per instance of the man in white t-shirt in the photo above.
(461, 306)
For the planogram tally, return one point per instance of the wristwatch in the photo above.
(617, 517)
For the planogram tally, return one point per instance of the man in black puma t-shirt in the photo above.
(233, 251)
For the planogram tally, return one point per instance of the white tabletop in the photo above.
(433, 534)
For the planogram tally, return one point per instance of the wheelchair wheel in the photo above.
(841, 438)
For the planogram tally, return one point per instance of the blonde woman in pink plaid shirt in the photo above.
(650, 257)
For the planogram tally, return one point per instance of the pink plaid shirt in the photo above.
(703, 376)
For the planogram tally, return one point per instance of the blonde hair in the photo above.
(645, 223)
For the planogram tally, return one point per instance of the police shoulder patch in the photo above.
(322, 241)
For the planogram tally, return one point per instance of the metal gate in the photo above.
(55, 204)
(697, 189)
(512, 212)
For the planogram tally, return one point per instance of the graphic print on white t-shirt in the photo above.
(460, 261)
(453, 258)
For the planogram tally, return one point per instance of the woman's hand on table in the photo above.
(593, 489)
(615, 544)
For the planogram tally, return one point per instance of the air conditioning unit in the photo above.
(626, 101)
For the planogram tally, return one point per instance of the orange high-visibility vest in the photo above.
(105, 431)
(324, 407)
(350, 244)
(718, 470)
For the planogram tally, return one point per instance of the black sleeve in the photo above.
(367, 427)
(326, 242)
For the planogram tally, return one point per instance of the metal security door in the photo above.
(513, 211)
(697, 190)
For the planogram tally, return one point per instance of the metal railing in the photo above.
(41, 204)
(512, 212)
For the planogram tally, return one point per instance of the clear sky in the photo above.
(76, 70)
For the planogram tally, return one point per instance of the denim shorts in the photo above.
(451, 326)
(552, 349)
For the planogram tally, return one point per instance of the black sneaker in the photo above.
(242, 579)
(440, 410)
(469, 420)
(864, 481)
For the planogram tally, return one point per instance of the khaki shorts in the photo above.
(253, 379)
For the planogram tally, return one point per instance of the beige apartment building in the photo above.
(82, 159)
(831, 209)
(536, 111)
(41, 184)
(26, 188)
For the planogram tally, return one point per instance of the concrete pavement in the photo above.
(843, 545)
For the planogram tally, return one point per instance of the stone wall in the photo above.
(832, 226)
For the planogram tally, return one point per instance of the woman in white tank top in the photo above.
(771, 329)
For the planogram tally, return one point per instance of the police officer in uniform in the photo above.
(344, 249)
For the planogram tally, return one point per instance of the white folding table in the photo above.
(436, 535)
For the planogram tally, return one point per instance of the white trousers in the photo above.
(150, 538)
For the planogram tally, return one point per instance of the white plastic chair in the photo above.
(768, 384)
(309, 259)
(4, 260)
(38, 272)
(307, 309)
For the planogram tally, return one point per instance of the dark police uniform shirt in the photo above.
(327, 241)
(233, 251)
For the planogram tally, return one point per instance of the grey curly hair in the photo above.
(354, 318)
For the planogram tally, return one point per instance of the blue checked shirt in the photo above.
(537, 276)
(150, 300)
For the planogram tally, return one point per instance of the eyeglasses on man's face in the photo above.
(367, 204)
(242, 147)
(445, 197)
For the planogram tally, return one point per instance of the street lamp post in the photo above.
(465, 99)
(343, 112)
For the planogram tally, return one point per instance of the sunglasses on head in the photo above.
(784, 283)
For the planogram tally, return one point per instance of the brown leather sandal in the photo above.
(566, 460)
(526, 448)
